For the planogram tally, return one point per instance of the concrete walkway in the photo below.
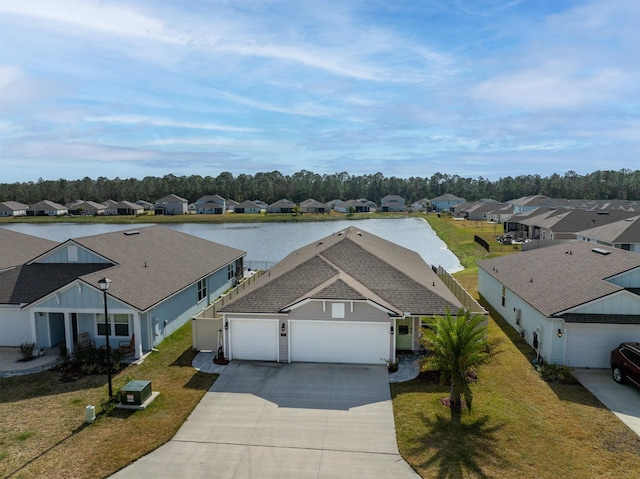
(622, 399)
(300, 420)
(10, 364)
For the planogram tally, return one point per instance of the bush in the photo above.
(557, 373)
(26, 350)
(93, 361)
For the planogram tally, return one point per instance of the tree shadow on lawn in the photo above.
(459, 450)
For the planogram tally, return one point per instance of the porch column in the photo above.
(68, 332)
(137, 330)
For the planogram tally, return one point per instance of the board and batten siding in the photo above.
(72, 253)
(623, 302)
(630, 279)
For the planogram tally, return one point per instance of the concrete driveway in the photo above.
(622, 399)
(269, 420)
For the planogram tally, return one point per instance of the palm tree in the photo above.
(456, 346)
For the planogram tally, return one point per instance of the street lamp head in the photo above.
(104, 284)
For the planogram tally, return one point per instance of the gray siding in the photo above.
(62, 256)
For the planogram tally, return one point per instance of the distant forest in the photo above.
(272, 186)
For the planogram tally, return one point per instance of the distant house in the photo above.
(351, 297)
(527, 203)
(623, 234)
(352, 205)
(332, 204)
(373, 206)
(313, 206)
(421, 205)
(445, 203)
(263, 206)
(231, 205)
(211, 205)
(171, 205)
(47, 208)
(247, 206)
(392, 204)
(13, 208)
(160, 278)
(572, 302)
(90, 208)
(128, 208)
(281, 206)
(145, 204)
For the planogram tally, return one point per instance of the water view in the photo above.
(268, 243)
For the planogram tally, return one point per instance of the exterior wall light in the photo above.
(226, 325)
(391, 330)
(559, 332)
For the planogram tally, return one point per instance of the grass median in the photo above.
(42, 428)
(520, 425)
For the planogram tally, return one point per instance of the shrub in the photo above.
(26, 349)
(557, 373)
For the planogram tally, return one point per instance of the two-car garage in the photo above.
(352, 342)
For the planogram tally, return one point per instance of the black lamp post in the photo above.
(104, 284)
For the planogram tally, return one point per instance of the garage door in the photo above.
(339, 342)
(254, 339)
(589, 345)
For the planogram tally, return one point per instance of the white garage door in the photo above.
(339, 342)
(254, 339)
(589, 345)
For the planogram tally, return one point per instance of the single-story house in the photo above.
(47, 208)
(312, 206)
(352, 205)
(90, 208)
(281, 206)
(159, 277)
(145, 204)
(231, 205)
(247, 206)
(351, 297)
(13, 208)
(128, 208)
(623, 234)
(572, 302)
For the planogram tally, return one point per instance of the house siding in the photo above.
(62, 255)
(15, 327)
(627, 280)
(621, 303)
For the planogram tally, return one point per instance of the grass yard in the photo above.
(42, 429)
(520, 426)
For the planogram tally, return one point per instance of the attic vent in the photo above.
(129, 233)
(601, 251)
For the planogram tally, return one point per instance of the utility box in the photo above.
(135, 393)
(89, 414)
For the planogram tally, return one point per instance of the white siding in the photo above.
(589, 345)
(15, 327)
(624, 302)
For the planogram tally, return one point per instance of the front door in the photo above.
(404, 336)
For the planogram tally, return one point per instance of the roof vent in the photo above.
(134, 232)
(601, 251)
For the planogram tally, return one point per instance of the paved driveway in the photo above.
(268, 420)
(622, 399)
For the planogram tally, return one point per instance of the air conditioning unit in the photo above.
(518, 315)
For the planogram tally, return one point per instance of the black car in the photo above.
(625, 363)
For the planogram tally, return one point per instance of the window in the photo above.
(504, 296)
(202, 289)
(118, 325)
(230, 272)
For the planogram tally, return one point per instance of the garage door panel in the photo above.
(339, 342)
(589, 345)
(254, 339)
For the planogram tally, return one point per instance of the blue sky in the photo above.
(489, 88)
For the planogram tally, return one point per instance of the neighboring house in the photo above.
(128, 208)
(333, 203)
(47, 208)
(171, 205)
(145, 204)
(351, 297)
(263, 206)
(231, 205)
(247, 206)
(160, 279)
(392, 203)
(313, 206)
(211, 205)
(623, 234)
(281, 206)
(356, 205)
(371, 204)
(528, 203)
(13, 208)
(572, 302)
(89, 208)
(446, 203)
(421, 205)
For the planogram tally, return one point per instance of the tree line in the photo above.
(272, 186)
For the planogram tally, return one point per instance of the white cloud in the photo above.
(162, 122)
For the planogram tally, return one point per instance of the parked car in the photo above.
(625, 363)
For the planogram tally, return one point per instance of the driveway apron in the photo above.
(300, 420)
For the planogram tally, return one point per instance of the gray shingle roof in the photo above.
(18, 248)
(622, 231)
(349, 265)
(562, 276)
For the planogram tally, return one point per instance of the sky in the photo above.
(475, 88)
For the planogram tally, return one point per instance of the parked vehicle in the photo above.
(625, 363)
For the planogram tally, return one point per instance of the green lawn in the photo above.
(521, 426)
